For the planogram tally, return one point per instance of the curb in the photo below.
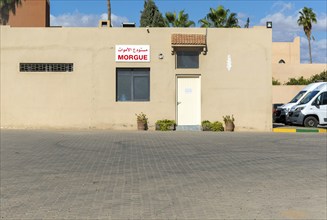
(298, 130)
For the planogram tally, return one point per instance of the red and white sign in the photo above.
(133, 53)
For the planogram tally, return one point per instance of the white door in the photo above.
(188, 101)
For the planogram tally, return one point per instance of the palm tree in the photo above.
(178, 21)
(109, 12)
(7, 6)
(220, 17)
(247, 24)
(307, 17)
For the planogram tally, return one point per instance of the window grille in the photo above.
(46, 67)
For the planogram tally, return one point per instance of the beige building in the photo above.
(286, 62)
(31, 13)
(286, 52)
(101, 77)
(86, 78)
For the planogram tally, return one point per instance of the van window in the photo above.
(298, 97)
(324, 98)
(321, 99)
(308, 97)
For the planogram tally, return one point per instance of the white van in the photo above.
(282, 111)
(311, 110)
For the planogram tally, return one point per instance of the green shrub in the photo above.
(228, 118)
(212, 126)
(321, 77)
(217, 126)
(142, 117)
(275, 82)
(206, 125)
(165, 125)
(298, 81)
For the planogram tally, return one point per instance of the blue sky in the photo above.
(283, 14)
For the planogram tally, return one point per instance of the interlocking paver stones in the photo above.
(162, 175)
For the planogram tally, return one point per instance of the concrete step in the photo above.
(188, 128)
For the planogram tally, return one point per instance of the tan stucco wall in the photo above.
(85, 98)
(31, 13)
(287, 51)
(284, 94)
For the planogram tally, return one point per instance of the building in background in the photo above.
(286, 62)
(31, 13)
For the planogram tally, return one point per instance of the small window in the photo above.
(46, 67)
(187, 59)
(104, 23)
(281, 61)
(132, 85)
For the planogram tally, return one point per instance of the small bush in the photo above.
(275, 82)
(321, 77)
(212, 126)
(228, 118)
(165, 125)
(298, 81)
(142, 117)
(217, 126)
(206, 125)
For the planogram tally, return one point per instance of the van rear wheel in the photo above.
(310, 122)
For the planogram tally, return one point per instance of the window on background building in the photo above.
(281, 61)
(132, 84)
(187, 59)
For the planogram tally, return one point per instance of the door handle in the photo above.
(179, 103)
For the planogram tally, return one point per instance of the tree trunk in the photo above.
(109, 12)
(309, 39)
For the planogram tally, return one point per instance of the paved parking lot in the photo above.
(162, 175)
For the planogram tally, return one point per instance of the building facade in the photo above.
(31, 13)
(102, 77)
(286, 62)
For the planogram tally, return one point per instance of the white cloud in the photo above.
(321, 23)
(285, 26)
(318, 50)
(282, 6)
(242, 15)
(242, 18)
(285, 29)
(77, 19)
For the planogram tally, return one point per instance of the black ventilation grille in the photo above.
(46, 67)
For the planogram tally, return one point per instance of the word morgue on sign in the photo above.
(132, 53)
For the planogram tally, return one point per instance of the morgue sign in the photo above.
(133, 53)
